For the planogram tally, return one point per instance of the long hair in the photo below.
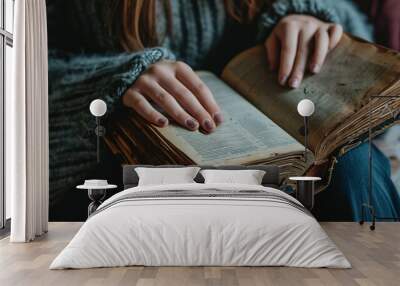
(134, 21)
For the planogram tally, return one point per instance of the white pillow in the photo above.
(164, 176)
(248, 177)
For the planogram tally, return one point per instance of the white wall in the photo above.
(8, 86)
(9, 11)
(9, 25)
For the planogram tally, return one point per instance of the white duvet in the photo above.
(200, 231)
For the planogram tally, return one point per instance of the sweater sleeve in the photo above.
(343, 12)
(77, 80)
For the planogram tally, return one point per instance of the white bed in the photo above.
(183, 230)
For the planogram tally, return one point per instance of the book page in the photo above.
(246, 134)
(352, 72)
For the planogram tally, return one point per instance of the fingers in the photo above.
(188, 101)
(151, 89)
(293, 40)
(288, 52)
(301, 59)
(272, 47)
(139, 103)
(203, 94)
(175, 88)
(321, 48)
(335, 34)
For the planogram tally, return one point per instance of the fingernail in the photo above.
(315, 68)
(191, 124)
(208, 125)
(218, 118)
(282, 79)
(295, 83)
(162, 122)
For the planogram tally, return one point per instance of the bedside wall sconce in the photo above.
(305, 108)
(98, 108)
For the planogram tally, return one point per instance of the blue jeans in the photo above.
(342, 200)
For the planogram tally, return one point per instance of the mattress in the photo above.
(201, 225)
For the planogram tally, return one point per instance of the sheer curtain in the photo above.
(27, 124)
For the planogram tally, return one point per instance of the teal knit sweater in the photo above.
(86, 62)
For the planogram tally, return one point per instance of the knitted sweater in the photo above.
(87, 62)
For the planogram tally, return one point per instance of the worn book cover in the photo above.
(262, 125)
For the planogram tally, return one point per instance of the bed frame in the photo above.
(271, 177)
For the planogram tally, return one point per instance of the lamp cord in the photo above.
(98, 138)
(305, 137)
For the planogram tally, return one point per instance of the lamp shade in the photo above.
(305, 107)
(98, 107)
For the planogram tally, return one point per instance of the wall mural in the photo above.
(190, 83)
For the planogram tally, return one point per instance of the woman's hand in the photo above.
(174, 87)
(298, 43)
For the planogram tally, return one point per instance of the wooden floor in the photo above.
(375, 257)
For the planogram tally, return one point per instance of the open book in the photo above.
(261, 123)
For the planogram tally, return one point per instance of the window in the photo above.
(6, 63)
